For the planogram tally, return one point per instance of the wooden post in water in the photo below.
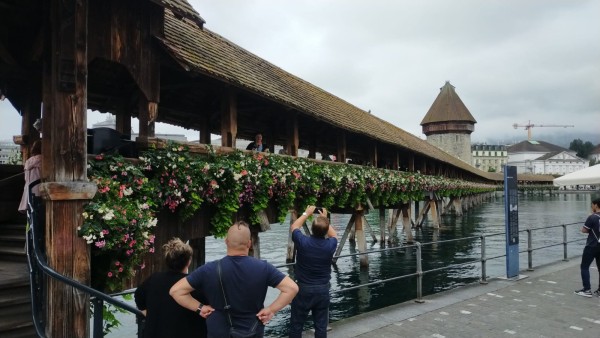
(361, 243)
(255, 249)
(382, 225)
(407, 223)
(435, 214)
(344, 236)
(458, 206)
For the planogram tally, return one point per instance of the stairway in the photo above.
(15, 302)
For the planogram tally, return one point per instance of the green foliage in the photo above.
(583, 149)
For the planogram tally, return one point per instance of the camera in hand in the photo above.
(318, 210)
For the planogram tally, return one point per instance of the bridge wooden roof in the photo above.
(205, 52)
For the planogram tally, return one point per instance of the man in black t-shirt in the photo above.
(245, 282)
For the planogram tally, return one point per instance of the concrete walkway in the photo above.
(541, 305)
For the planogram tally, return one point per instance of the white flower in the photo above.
(109, 215)
(237, 177)
(128, 191)
(152, 222)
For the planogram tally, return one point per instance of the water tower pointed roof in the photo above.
(448, 107)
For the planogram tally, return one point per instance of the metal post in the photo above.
(98, 318)
(483, 279)
(529, 251)
(565, 243)
(419, 275)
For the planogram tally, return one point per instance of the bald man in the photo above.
(245, 283)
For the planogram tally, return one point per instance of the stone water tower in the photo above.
(448, 124)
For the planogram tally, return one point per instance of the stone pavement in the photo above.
(541, 305)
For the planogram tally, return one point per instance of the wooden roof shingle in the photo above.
(205, 52)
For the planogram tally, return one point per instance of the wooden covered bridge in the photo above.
(154, 60)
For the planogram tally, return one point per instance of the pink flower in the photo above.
(110, 274)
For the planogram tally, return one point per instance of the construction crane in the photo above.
(530, 125)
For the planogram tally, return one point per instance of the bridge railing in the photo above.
(482, 260)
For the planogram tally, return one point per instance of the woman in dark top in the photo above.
(164, 317)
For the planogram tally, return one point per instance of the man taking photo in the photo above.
(313, 272)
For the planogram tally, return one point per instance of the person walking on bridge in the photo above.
(591, 250)
(313, 272)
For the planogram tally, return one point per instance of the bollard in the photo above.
(483, 279)
(419, 275)
(529, 251)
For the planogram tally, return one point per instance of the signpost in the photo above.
(511, 213)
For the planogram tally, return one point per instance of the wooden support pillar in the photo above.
(199, 256)
(394, 215)
(148, 112)
(312, 147)
(293, 139)
(123, 122)
(373, 155)
(65, 185)
(457, 202)
(424, 166)
(382, 225)
(204, 137)
(423, 213)
(228, 118)
(369, 228)
(291, 250)
(396, 161)
(434, 209)
(407, 223)
(411, 163)
(255, 248)
(361, 243)
(341, 146)
(344, 236)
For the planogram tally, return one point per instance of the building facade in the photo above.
(539, 157)
(448, 124)
(10, 153)
(488, 157)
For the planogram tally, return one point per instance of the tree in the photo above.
(583, 149)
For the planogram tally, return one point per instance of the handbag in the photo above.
(233, 332)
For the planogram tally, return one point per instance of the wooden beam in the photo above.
(148, 112)
(341, 146)
(123, 122)
(344, 237)
(292, 138)
(411, 163)
(361, 243)
(228, 118)
(373, 154)
(396, 161)
(204, 120)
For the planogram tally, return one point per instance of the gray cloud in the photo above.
(510, 61)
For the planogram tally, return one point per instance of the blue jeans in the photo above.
(313, 298)
(589, 254)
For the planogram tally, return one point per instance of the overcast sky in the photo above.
(511, 61)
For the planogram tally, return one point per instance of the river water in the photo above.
(486, 219)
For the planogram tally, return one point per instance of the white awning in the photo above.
(590, 175)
